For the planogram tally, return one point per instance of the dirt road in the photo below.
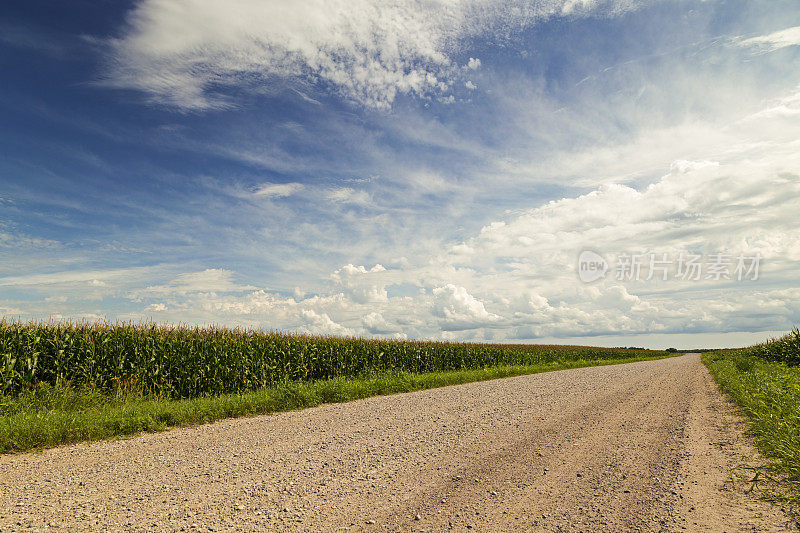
(644, 446)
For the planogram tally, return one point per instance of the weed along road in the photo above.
(643, 446)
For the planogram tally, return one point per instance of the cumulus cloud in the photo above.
(376, 324)
(697, 205)
(362, 285)
(322, 324)
(369, 52)
(682, 166)
(707, 207)
(459, 310)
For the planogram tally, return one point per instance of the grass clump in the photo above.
(764, 381)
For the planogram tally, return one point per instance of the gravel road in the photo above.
(644, 446)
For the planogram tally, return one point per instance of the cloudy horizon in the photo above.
(404, 169)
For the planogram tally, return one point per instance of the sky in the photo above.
(405, 169)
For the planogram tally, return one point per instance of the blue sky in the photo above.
(401, 169)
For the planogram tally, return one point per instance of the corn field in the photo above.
(785, 349)
(186, 362)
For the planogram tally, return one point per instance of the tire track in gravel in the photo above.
(643, 446)
(592, 476)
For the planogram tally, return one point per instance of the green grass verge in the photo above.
(768, 394)
(48, 416)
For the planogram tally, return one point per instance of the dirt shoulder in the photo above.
(644, 446)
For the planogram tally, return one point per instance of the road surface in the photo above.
(644, 446)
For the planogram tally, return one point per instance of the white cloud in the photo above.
(462, 249)
(322, 324)
(459, 310)
(177, 50)
(18, 241)
(277, 190)
(681, 166)
(362, 285)
(776, 40)
(696, 205)
(90, 277)
(211, 280)
(571, 6)
(9, 313)
(376, 324)
(348, 195)
(786, 107)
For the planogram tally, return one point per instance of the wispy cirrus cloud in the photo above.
(277, 190)
(776, 40)
(211, 280)
(370, 52)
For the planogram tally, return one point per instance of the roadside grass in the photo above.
(768, 394)
(47, 416)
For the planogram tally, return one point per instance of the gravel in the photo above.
(644, 446)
